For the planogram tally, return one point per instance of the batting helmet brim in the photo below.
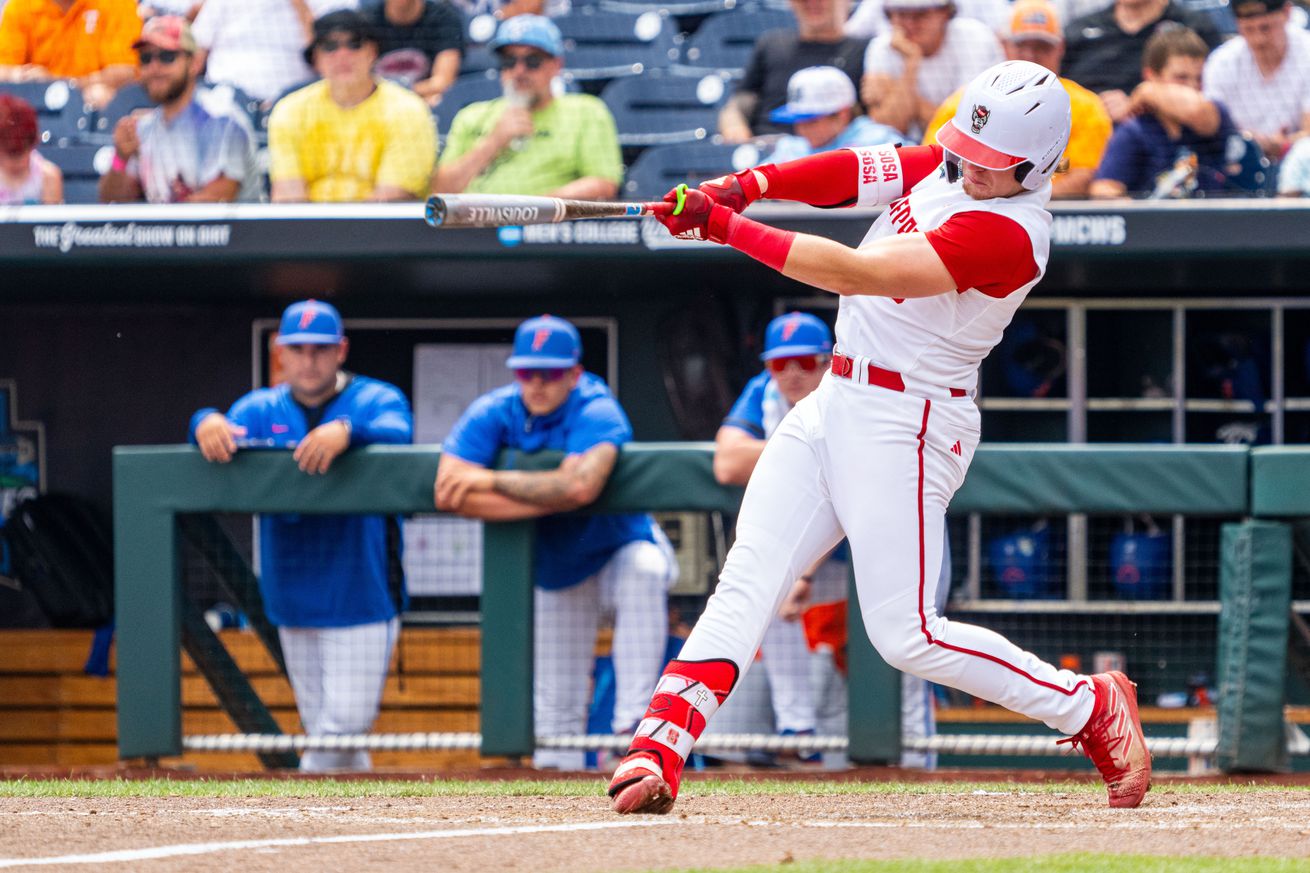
(979, 154)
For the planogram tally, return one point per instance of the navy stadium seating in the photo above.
(662, 167)
(659, 109)
(724, 42)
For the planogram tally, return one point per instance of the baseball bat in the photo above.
(498, 210)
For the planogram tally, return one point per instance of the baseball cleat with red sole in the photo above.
(638, 786)
(1114, 740)
(649, 795)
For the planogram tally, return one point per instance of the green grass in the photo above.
(1074, 863)
(327, 788)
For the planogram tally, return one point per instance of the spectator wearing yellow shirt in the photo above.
(350, 136)
(1035, 35)
(531, 141)
(88, 41)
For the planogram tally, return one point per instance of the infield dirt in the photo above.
(703, 831)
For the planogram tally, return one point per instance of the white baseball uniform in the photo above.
(877, 451)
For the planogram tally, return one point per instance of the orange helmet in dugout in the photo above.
(1015, 114)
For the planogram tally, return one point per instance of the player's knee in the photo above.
(900, 646)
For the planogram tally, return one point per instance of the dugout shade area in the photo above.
(155, 486)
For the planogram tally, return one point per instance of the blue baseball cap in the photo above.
(310, 322)
(537, 31)
(796, 333)
(545, 342)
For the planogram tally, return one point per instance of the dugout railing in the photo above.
(153, 486)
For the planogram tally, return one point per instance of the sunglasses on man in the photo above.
(548, 374)
(532, 61)
(807, 363)
(164, 56)
(328, 46)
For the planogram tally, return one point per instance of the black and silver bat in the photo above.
(500, 210)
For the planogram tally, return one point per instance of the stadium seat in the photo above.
(1249, 171)
(676, 8)
(477, 59)
(1218, 11)
(129, 98)
(82, 166)
(61, 114)
(467, 89)
(607, 45)
(657, 109)
(724, 42)
(660, 168)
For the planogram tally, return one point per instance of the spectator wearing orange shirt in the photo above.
(1035, 36)
(88, 41)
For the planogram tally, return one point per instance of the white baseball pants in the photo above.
(338, 674)
(879, 467)
(634, 587)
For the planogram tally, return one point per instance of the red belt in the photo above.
(845, 368)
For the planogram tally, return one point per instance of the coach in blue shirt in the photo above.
(324, 578)
(585, 564)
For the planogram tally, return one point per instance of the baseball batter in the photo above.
(797, 351)
(324, 578)
(584, 564)
(877, 451)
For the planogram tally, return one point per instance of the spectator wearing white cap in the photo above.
(1263, 77)
(1034, 34)
(822, 109)
(928, 54)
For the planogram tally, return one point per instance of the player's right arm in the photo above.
(216, 434)
(862, 176)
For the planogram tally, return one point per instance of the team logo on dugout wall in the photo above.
(980, 116)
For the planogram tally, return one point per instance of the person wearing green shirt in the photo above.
(531, 141)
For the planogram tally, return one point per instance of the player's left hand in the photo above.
(321, 446)
(693, 215)
(735, 191)
(796, 601)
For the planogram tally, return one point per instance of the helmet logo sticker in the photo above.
(979, 119)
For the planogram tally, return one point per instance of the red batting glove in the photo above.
(695, 215)
(736, 191)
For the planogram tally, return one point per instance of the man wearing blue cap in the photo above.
(531, 141)
(584, 563)
(804, 648)
(324, 578)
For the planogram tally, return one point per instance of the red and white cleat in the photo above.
(638, 787)
(1113, 739)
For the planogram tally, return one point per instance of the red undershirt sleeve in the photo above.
(919, 162)
(832, 179)
(986, 251)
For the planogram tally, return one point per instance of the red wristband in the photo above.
(749, 184)
(766, 244)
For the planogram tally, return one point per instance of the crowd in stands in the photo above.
(343, 100)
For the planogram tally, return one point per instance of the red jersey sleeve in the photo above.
(986, 251)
